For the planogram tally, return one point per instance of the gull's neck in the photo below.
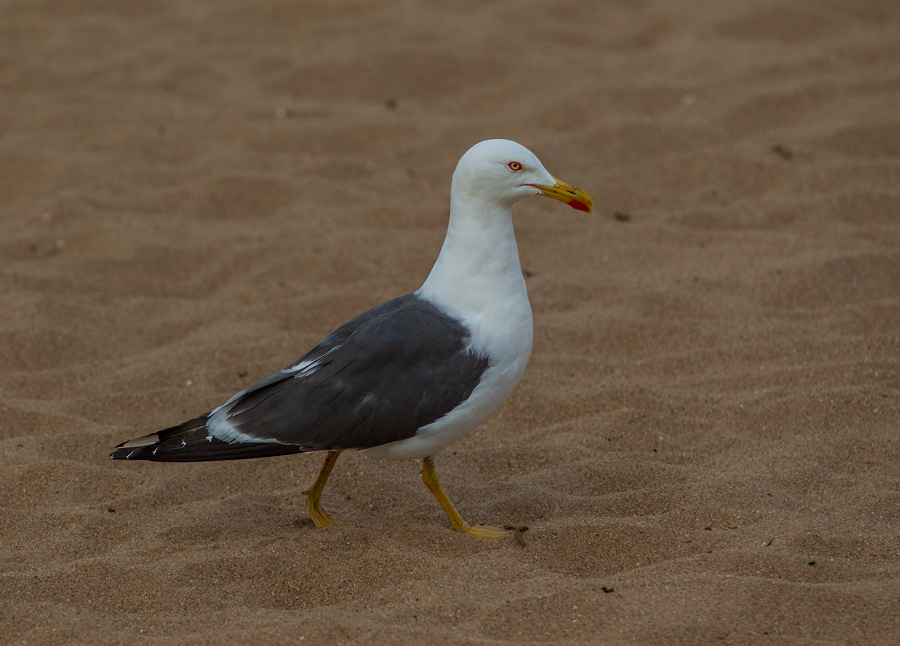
(479, 261)
(478, 279)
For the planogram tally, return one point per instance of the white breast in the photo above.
(494, 306)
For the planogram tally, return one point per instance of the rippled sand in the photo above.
(705, 447)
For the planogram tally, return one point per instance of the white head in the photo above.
(503, 172)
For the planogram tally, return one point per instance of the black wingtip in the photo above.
(146, 446)
(127, 453)
(192, 442)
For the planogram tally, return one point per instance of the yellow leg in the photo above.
(319, 516)
(431, 481)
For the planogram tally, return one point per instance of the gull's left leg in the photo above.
(431, 481)
(319, 516)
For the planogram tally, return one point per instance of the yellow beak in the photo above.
(571, 195)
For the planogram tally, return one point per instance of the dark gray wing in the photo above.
(377, 379)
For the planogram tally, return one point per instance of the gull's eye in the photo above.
(514, 166)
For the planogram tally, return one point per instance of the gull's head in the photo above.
(503, 172)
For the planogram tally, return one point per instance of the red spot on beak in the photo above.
(581, 206)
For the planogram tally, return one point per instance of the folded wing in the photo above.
(378, 378)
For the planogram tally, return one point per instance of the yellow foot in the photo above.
(482, 531)
(319, 516)
(429, 475)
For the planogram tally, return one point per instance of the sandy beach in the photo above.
(705, 448)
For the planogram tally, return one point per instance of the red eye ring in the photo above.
(514, 166)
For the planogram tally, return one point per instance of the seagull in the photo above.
(407, 378)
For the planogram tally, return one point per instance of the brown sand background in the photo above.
(705, 446)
